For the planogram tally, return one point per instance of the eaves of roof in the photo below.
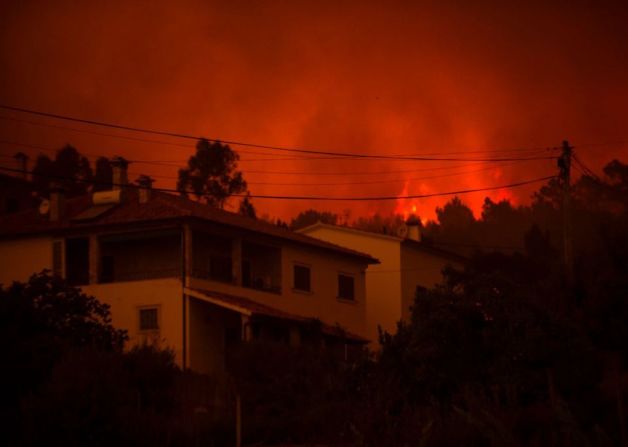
(249, 307)
(161, 208)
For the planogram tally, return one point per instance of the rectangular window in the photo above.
(107, 269)
(346, 288)
(302, 278)
(149, 319)
(77, 261)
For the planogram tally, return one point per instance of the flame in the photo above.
(423, 208)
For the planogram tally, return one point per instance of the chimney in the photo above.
(414, 228)
(22, 164)
(146, 185)
(120, 177)
(57, 202)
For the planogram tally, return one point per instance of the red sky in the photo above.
(364, 77)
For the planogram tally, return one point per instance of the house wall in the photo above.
(126, 298)
(208, 328)
(383, 281)
(420, 269)
(322, 301)
(20, 258)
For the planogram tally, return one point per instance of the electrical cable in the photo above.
(315, 198)
(261, 146)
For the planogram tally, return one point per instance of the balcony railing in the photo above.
(140, 275)
(221, 276)
(224, 277)
(259, 285)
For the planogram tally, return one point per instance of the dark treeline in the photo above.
(502, 226)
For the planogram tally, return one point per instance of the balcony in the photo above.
(236, 262)
(261, 267)
(133, 257)
(212, 258)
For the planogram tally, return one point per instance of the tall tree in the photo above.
(246, 208)
(69, 168)
(211, 174)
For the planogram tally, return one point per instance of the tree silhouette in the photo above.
(246, 208)
(311, 216)
(69, 168)
(211, 174)
(378, 223)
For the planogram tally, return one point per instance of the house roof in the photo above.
(81, 213)
(417, 245)
(246, 306)
(346, 229)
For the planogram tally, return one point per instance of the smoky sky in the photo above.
(368, 77)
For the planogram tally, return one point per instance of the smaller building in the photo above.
(406, 262)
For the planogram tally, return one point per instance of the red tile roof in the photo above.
(255, 308)
(162, 206)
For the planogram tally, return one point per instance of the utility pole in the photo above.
(564, 165)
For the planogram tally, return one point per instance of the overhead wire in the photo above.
(275, 157)
(271, 172)
(312, 198)
(372, 182)
(256, 145)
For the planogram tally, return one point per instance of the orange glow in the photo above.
(371, 79)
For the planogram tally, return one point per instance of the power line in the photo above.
(416, 196)
(262, 146)
(373, 182)
(313, 198)
(584, 167)
(275, 158)
(166, 143)
(266, 172)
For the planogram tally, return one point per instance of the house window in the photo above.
(107, 269)
(302, 278)
(77, 261)
(346, 287)
(149, 319)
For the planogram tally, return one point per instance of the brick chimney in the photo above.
(120, 178)
(57, 202)
(146, 185)
(22, 164)
(414, 228)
